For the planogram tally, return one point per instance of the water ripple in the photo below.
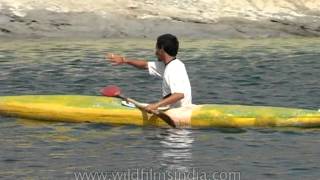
(256, 72)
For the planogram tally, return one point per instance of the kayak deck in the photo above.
(98, 109)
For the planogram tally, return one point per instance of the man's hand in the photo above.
(115, 59)
(151, 107)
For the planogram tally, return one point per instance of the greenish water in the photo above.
(273, 72)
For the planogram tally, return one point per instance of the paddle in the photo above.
(115, 91)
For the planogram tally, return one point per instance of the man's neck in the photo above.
(169, 59)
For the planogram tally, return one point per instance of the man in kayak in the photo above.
(176, 89)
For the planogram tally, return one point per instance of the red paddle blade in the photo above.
(111, 91)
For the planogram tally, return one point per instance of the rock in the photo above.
(149, 18)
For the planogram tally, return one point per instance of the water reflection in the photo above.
(176, 149)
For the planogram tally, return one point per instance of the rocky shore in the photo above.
(149, 18)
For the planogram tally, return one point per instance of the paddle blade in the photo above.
(111, 91)
(167, 119)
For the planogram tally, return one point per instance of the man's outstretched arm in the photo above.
(118, 60)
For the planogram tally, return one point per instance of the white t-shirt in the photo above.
(175, 79)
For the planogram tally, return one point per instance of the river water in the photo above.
(272, 72)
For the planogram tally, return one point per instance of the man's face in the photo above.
(160, 54)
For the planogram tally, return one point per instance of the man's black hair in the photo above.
(169, 43)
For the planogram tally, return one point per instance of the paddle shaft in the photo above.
(137, 104)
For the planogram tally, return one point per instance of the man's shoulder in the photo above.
(176, 67)
(177, 63)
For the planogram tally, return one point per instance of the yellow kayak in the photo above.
(99, 109)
